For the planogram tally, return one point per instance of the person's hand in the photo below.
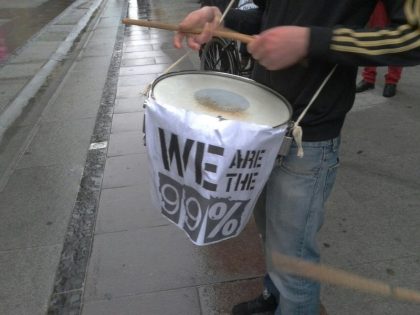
(280, 47)
(207, 18)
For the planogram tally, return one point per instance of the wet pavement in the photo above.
(33, 73)
(140, 262)
(20, 20)
(80, 235)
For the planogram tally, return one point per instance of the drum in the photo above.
(212, 140)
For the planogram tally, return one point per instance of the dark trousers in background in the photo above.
(380, 18)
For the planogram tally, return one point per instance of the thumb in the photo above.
(251, 46)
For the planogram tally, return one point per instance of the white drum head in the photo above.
(222, 95)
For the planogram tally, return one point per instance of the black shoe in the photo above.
(389, 90)
(364, 86)
(259, 305)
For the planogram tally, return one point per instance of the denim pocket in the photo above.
(330, 179)
(308, 165)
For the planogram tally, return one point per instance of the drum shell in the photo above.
(279, 118)
(207, 172)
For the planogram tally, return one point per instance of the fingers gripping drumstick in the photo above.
(224, 33)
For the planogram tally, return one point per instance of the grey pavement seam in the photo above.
(71, 272)
(13, 110)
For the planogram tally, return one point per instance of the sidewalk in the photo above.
(141, 264)
(43, 152)
(80, 230)
(28, 70)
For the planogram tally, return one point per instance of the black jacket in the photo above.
(335, 27)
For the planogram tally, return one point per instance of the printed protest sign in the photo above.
(207, 173)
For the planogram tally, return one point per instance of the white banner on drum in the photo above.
(207, 173)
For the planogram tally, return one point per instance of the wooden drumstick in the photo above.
(326, 274)
(224, 33)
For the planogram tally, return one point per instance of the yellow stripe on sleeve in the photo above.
(375, 52)
(375, 43)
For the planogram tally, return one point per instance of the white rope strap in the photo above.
(226, 11)
(296, 129)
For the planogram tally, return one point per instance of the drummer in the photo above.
(322, 34)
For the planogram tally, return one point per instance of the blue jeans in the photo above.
(294, 212)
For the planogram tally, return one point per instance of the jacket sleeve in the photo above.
(398, 44)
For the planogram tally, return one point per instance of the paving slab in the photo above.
(147, 69)
(52, 143)
(34, 206)
(37, 51)
(157, 40)
(20, 292)
(11, 146)
(19, 70)
(81, 91)
(125, 143)
(174, 53)
(72, 17)
(398, 272)
(109, 22)
(139, 80)
(138, 62)
(99, 48)
(129, 105)
(133, 91)
(172, 302)
(74, 107)
(37, 200)
(52, 28)
(127, 170)
(128, 122)
(145, 46)
(53, 36)
(143, 260)
(9, 89)
(105, 33)
(96, 66)
(21, 4)
(219, 298)
(127, 208)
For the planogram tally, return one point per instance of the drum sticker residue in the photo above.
(221, 100)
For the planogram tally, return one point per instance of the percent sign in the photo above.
(220, 211)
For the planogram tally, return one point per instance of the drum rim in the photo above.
(223, 74)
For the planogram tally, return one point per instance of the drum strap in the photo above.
(294, 131)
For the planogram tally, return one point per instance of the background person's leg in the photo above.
(369, 74)
(392, 78)
(368, 80)
(379, 18)
(393, 75)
